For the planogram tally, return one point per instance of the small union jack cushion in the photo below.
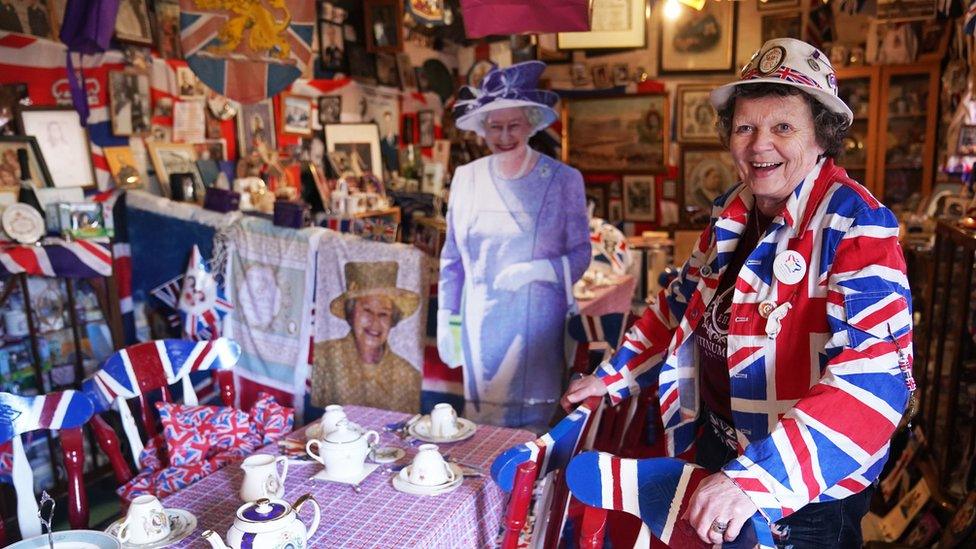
(195, 433)
(270, 420)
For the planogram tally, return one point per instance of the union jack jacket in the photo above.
(815, 406)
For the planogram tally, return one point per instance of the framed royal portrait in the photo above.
(777, 5)
(361, 142)
(256, 124)
(384, 25)
(696, 116)
(330, 109)
(707, 172)
(621, 133)
(699, 41)
(63, 142)
(123, 167)
(782, 25)
(174, 158)
(614, 24)
(133, 23)
(296, 114)
(128, 97)
(12, 149)
(639, 202)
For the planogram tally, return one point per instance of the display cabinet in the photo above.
(860, 88)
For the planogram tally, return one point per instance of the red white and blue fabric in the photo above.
(194, 433)
(784, 73)
(113, 205)
(203, 302)
(610, 247)
(377, 229)
(813, 408)
(247, 51)
(655, 490)
(56, 257)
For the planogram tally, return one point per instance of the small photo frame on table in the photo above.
(699, 41)
(296, 114)
(639, 202)
(133, 23)
(384, 25)
(330, 109)
(425, 128)
(169, 159)
(706, 172)
(362, 140)
(256, 124)
(618, 24)
(696, 116)
(123, 167)
(12, 149)
(782, 25)
(620, 133)
(64, 144)
(387, 73)
(128, 95)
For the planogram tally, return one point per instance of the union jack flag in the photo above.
(609, 246)
(814, 407)
(783, 73)
(56, 257)
(247, 54)
(203, 302)
(58, 410)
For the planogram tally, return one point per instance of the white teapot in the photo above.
(344, 450)
(270, 524)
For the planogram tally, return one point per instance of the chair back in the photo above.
(64, 411)
(140, 369)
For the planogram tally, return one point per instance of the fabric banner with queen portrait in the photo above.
(368, 324)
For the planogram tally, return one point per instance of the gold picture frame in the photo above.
(696, 116)
(613, 29)
(619, 133)
(699, 41)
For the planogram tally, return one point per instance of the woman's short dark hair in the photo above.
(830, 127)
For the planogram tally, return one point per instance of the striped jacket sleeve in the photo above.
(636, 363)
(834, 440)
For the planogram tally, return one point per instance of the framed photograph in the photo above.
(776, 5)
(330, 109)
(782, 25)
(601, 76)
(332, 46)
(122, 164)
(37, 18)
(967, 140)
(621, 133)
(425, 128)
(174, 158)
(128, 96)
(617, 24)
(387, 73)
(384, 25)
(621, 74)
(188, 84)
(132, 24)
(63, 142)
(706, 172)
(255, 124)
(639, 202)
(12, 149)
(408, 79)
(360, 141)
(699, 41)
(432, 178)
(168, 29)
(597, 196)
(296, 114)
(696, 116)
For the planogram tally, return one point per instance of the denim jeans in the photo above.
(815, 525)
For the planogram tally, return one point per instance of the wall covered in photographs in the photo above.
(706, 173)
(620, 133)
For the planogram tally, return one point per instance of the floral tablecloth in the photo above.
(379, 516)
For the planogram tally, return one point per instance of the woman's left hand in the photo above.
(519, 274)
(719, 501)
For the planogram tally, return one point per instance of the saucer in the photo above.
(421, 430)
(402, 484)
(386, 454)
(314, 430)
(356, 479)
(181, 524)
(85, 539)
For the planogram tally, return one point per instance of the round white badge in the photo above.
(772, 59)
(789, 267)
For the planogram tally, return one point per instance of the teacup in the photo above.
(331, 418)
(429, 467)
(146, 522)
(443, 421)
(262, 478)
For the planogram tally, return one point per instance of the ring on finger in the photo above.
(719, 527)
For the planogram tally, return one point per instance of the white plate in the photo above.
(421, 430)
(22, 223)
(402, 484)
(72, 539)
(182, 523)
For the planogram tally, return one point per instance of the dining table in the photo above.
(377, 515)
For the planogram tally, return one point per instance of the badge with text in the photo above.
(789, 267)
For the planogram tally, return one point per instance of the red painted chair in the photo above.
(64, 412)
(141, 369)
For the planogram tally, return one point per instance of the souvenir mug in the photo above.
(429, 468)
(262, 478)
(145, 522)
(443, 421)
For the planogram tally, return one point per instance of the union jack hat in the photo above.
(794, 63)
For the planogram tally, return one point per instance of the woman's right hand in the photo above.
(582, 389)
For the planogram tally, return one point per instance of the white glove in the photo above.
(448, 342)
(517, 275)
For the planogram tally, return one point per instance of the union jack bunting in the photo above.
(203, 302)
(655, 490)
(247, 51)
(56, 257)
(815, 406)
(58, 410)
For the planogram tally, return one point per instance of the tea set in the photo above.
(147, 525)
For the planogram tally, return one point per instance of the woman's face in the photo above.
(773, 144)
(507, 129)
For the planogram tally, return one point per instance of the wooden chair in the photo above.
(141, 369)
(64, 412)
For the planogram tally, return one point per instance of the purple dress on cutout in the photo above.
(512, 340)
